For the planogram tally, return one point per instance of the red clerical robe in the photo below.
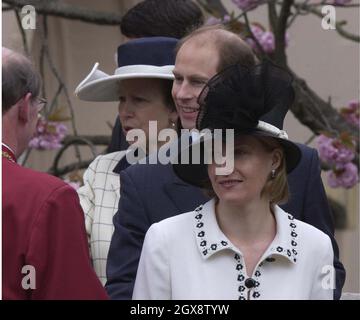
(45, 252)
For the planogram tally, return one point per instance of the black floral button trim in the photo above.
(239, 267)
(254, 288)
(241, 277)
(292, 253)
(201, 235)
(241, 288)
(257, 275)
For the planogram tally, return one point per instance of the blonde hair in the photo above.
(276, 187)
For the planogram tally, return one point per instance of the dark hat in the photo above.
(152, 57)
(250, 100)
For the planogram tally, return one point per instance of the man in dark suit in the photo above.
(150, 193)
(45, 249)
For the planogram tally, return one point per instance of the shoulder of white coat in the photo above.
(312, 237)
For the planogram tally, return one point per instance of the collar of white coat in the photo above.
(210, 239)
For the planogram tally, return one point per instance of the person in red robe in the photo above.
(45, 252)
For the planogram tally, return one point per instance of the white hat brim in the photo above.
(99, 86)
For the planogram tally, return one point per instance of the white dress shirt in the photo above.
(189, 257)
(99, 198)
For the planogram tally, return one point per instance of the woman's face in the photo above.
(252, 168)
(141, 101)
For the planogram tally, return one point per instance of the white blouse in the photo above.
(188, 257)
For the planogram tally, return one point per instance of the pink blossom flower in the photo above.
(267, 41)
(265, 38)
(212, 20)
(354, 105)
(48, 135)
(247, 4)
(345, 176)
(351, 113)
(333, 151)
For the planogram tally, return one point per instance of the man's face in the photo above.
(195, 64)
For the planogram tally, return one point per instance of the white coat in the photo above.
(188, 257)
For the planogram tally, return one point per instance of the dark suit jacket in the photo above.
(151, 193)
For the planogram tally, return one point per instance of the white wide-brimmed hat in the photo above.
(152, 57)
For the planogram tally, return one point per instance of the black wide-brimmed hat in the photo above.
(249, 100)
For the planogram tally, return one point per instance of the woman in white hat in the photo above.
(241, 244)
(142, 85)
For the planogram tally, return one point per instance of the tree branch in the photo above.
(213, 7)
(22, 32)
(74, 141)
(338, 25)
(61, 83)
(315, 113)
(280, 31)
(272, 14)
(64, 10)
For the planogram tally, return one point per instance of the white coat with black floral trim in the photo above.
(188, 257)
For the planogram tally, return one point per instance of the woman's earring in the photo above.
(173, 124)
(273, 174)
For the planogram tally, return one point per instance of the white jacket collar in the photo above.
(210, 239)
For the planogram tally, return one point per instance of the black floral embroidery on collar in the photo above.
(201, 235)
(289, 251)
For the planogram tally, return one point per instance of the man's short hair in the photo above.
(19, 77)
(167, 18)
(230, 47)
